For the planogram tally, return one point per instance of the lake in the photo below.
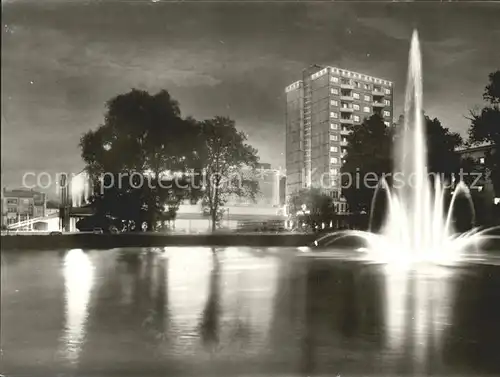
(200, 311)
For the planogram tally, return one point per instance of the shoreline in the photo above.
(111, 241)
(40, 242)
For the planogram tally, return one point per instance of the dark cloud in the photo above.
(61, 60)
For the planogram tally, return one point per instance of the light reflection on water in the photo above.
(219, 299)
(418, 309)
(78, 274)
(188, 287)
(204, 311)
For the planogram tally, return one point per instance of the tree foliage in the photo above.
(145, 160)
(227, 163)
(143, 136)
(485, 127)
(442, 156)
(370, 154)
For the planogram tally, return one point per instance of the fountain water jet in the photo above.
(416, 228)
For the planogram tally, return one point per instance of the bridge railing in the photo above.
(31, 221)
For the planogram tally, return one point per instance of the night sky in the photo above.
(61, 60)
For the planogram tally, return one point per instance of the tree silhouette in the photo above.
(143, 136)
(227, 163)
(442, 156)
(485, 127)
(369, 151)
(370, 154)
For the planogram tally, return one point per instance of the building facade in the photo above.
(20, 205)
(268, 181)
(478, 154)
(320, 111)
(191, 217)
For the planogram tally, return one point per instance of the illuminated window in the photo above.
(334, 79)
(387, 91)
(334, 160)
(334, 91)
(367, 86)
(367, 98)
(334, 102)
(387, 102)
(334, 149)
(334, 171)
(387, 124)
(334, 115)
(366, 109)
(334, 126)
(334, 138)
(355, 107)
(355, 95)
(356, 118)
(387, 113)
(481, 160)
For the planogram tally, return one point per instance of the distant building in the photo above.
(268, 180)
(478, 153)
(283, 190)
(20, 204)
(191, 217)
(264, 165)
(320, 110)
(52, 208)
(269, 185)
(268, 206)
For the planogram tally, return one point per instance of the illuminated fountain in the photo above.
(417, 228)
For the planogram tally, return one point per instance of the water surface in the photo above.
(242, 312)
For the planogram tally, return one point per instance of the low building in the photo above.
(52, 208)
(20, 205)
(270, 192)
(269, 206)
(191, 217)
(479, 153)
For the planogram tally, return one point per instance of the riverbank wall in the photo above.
(110, 241)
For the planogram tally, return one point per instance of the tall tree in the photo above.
(143, 136)
(227, 162)
(369, 155)
(485, 127)
(442, 156)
